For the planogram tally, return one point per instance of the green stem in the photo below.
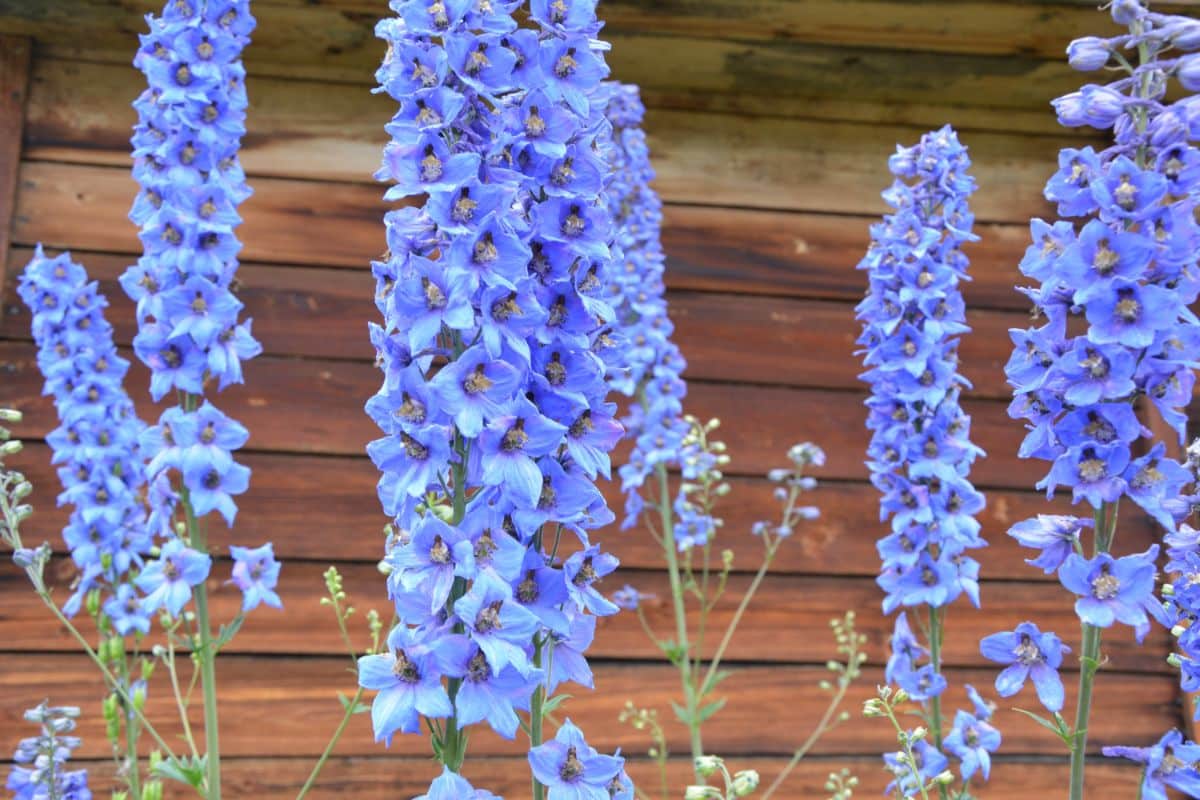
(132, 768)
(208, 684)
(935, 703)
(1083, 709)
(337, 734)
(1089, 660)
(536, 709)
(822, 725)
(684, 655)
(454, 743)
(710, 675)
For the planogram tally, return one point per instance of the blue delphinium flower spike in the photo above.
(191, 119)
(494, 346)
(921, 453)
(96, 446)
(39, 763)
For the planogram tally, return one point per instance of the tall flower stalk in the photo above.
(493, 406)
(185, 147)
(1115, 343)
(920, 453)
(684, 523)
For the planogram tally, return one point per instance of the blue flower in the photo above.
(930, 764)
(1055, 535)
(972, 741)
(1170, 763)
(256, 573)
(570, 769)
(494, 696)
(1113, 589)
(452, 786)
(408, 679)
(124, 609)
(1029, 653)
(502, 628)
(39, 768)
(168, 580)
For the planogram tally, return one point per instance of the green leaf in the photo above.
(713, 680)
(358, 708)
(227, 632)
(680, 713)
(553, 703)
(189, 770)
(708, 710)
(1058, 727)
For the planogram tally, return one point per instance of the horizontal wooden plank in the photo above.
(340, 225)
(287, 706)
(829, 58)
(329, 132)
(314, 406)
(814, 255)
(301, 222)
(303, 627)
(388, 778)
(295, 500)
(777, 341)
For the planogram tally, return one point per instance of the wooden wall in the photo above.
(770, 124)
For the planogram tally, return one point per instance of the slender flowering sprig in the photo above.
(920, 453)
(1114, 333)
(39, 769)
(494, 347)
(190, 122)
(665, 439)
(96, 444)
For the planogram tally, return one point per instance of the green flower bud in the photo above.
(744, 783)
(707, 765)
(701, 793)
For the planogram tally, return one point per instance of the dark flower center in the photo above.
(516, 438)
(488, 619)
(439, 553)
(571, 768)
(404, 669)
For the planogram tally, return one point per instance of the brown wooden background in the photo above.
(770, 123)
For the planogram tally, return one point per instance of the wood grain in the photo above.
(292, 222)
(16, 54)
(327, 132)
(392, 777)
(285, 706)
(323, 508)
(314, 406)
(777, 341)
(304, 627)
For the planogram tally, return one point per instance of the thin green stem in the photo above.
(822, 725)
(536, 716)
(337, 734)
(454, 742)
(109, 678)
(1089, 660)
(181, 702)
(683, 660)
(132, 767)
(935, 703)
(737, 616)
(204, 652)
(908, 751)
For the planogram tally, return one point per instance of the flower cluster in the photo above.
(1112, 298)
(96, 443)
(190, 122)
(652, 367)
(39, 770)
(920, 453)
(494, 351)
(185, 147)
(1114, 284)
